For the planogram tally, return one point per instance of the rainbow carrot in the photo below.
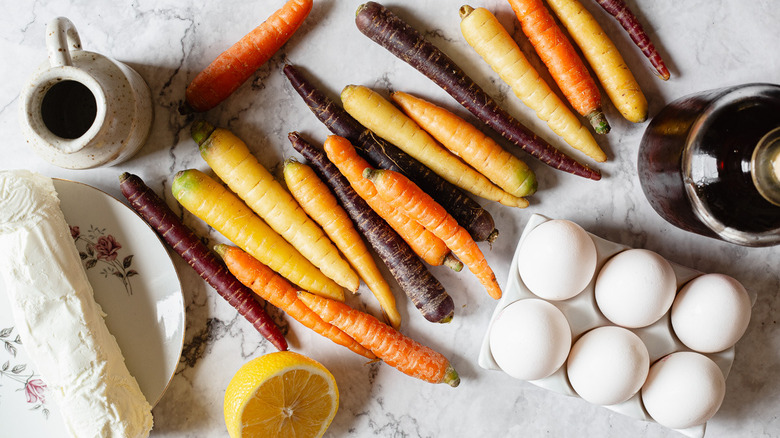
(279, 292)
(405, 195)
(388, 344)
(485, 34)
(210, 201)
(402, 40)
(605, 59)
(319, 202)
(236, 166)
(417, 282)
(187, 244)
(469, 143)
(238, 63)
(382, 154)
(387, 121)
(429, 247)
(561, 59)
(623, 14)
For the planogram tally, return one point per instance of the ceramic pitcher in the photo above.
(81, 109)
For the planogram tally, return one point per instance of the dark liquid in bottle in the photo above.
(720, 171)
(719, 148)
(68, 109)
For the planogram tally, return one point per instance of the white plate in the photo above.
(139, 289)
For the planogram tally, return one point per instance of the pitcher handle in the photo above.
(61, 38)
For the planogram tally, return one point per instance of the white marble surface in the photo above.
(706, 44)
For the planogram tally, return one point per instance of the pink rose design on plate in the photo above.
(35, 390)
(107, 248)
(34, 387)
(95, 245)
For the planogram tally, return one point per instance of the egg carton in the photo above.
(583, 315)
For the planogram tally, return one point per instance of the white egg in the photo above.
(683, 389)
(711, 313)
(530, 339)
(557, 260)
(635, 288)
(608, 365)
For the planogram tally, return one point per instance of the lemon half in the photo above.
(281, 394)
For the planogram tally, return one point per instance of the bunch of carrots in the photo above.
(230, 214)
(395, 173)
(493, 43)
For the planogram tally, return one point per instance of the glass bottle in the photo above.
(709, 163)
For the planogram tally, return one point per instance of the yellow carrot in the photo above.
(225, 212)
(321, 205)
(276, 290)
(233, 162)
(393, 347)
(402, 193)
(469, 143)
(382, 117)
(429, 247)
(485, 34)
(605, 59)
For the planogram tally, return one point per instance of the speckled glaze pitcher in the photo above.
(81, 109)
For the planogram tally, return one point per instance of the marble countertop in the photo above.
(706, 44)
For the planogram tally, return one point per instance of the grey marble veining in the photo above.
(706, 44)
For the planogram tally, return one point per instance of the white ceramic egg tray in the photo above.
(582, 313)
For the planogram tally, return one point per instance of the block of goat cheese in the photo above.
(61, 325)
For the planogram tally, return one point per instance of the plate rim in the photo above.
(164, 246)
(173, 265)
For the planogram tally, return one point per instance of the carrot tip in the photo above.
(465, 11)
(492, 236)
(371, 174)
(451, 377)
(201, 130)
(599, 122)
(220, 249)
(451, 262)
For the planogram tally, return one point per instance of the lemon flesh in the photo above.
(282, 394)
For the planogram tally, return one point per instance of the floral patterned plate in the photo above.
(138, 288)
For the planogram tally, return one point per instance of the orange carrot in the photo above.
(394, 348)
(561, 59)
(469, 143)
(405, 195)
(238, 63)
(424, 243)
(276, 290)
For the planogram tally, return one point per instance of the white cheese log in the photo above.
(61, 325)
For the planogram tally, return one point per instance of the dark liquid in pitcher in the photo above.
(720, 165)
(68, 109)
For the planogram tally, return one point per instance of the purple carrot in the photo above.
(422, 288)
(402, 40)
(469, 214)
(186, 243)
(627, 19)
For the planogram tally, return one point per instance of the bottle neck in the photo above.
(765, 166)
